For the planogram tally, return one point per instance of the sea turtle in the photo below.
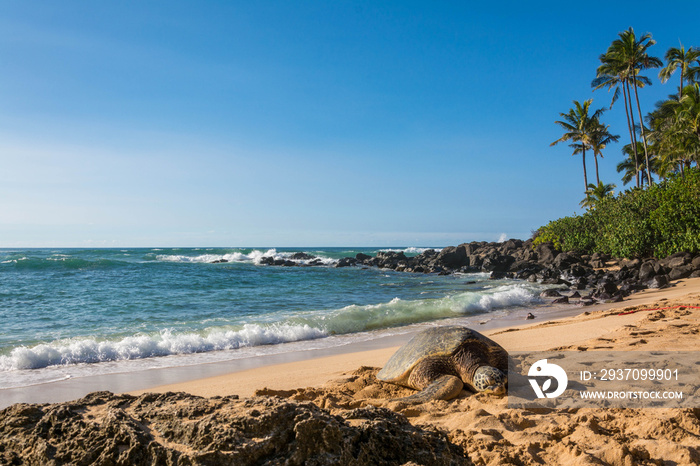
(440, 361)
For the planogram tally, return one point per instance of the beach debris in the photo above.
(441, 361)
(177, 428)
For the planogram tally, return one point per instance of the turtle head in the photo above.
(488, 379)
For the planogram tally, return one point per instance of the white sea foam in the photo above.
(255, 257)
(308, 325)
(88, 350)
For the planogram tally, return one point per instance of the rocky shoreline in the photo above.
(597, 277)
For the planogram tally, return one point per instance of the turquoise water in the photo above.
(63, 308)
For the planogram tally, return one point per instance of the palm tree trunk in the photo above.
(650, 180)
(585, 175)
(633, 141)
(597, 177)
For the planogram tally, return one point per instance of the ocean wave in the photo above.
(398, 312)
(307, 325)
(88, 350)
(254, 257)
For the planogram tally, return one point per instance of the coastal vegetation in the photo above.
(660, 214)
(657, 221)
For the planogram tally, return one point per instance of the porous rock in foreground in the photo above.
(176, 428)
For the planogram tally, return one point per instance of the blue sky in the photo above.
(308, 123)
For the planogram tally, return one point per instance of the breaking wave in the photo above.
(302, 326)
(254, 257)
(88, 350)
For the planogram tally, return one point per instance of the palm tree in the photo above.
(596, 193)
(579, 127)
(689, 109)
(634, 54)
(611, 74)
(669, 135)
(627, 56)
(600, 138)
(679, 58)
(678, 123)
(631, 168)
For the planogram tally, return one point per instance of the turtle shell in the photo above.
(435, 341)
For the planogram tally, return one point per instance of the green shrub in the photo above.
(657, 221)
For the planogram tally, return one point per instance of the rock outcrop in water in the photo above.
(176, 428)
(602, 277)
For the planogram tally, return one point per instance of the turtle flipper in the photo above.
(444, 387)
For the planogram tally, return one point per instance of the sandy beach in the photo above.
(533, 335)
(333, 409)
(484, 426)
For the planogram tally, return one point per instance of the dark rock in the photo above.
(562, 300)
(600, 256)
(546, 253)
(346, 262)
(647, 271)
(575, 295)
(219, 261)
(177, 428)
(550, 294)
(511, 245)
(301, 256)
(631, 263)
(391, 255)
(577, 270)
(597, 263)
(530, 316)
(607, 287)
(696, 263)
(681, 271)
(659, 281)
(551, 281)
(565, 260)
(581, 283)
(632, 287)
(521, 265)
(453, 257)
(469, 248)
(678, 259)
(497, 263)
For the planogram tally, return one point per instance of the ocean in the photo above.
(68, 313)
